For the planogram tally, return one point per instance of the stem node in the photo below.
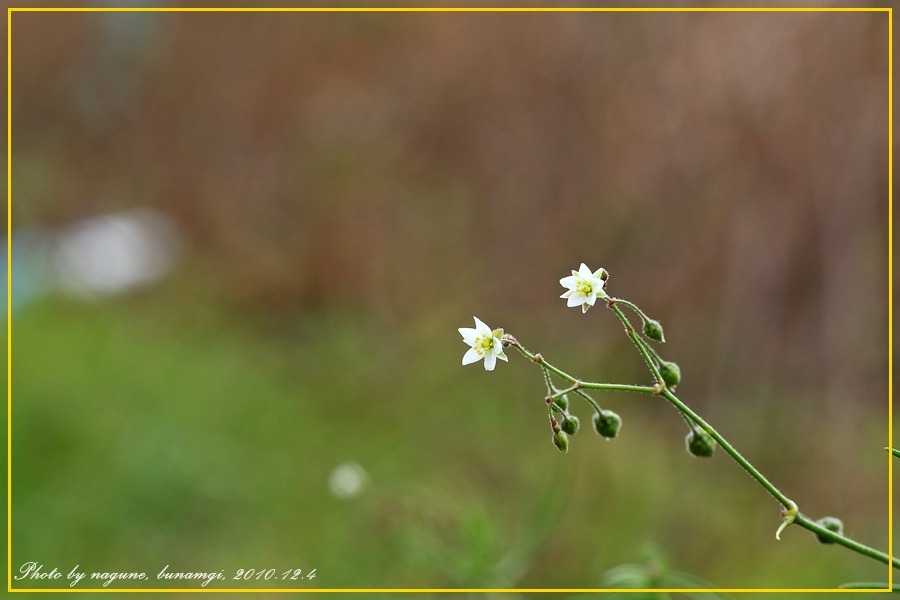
(789, 513)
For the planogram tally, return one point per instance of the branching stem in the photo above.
(652, 359)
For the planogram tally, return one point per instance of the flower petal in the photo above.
(584, 272)
(470, 357)
(591, 299)
(480, 327)
(502, 356)
(490, 361)
(568, 282)
(585, 307)
(575, 300)
(468, 335)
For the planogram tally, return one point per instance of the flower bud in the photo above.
(653, 330)
(831, 524)
(670, 372)
(570, 424)
(562, 402)
(700, 443)
(561, 441)
(607, 423)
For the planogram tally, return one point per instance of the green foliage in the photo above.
(654, 573)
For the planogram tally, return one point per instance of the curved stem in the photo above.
(732, 452)
(551, 389)
(800, 519)
(559, 393)
(869, 585)
(634, 338)
(577, 385)
(807, 523)
(614, 387)
(653, 353)
(632, 306)
(590, 401)
(693, 426)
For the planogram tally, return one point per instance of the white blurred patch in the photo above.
(112, 254)
(347, 480)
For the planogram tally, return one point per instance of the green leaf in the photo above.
(868, 585)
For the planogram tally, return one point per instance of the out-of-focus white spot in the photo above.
(111, 254)
(32, 273)
(347, 480)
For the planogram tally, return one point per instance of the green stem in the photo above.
(634, 338)
(800, 519)
(577, 385)
(693, 426)
(590, 400)
(653, 353)
(563, 392)
(551, 389)
(614, 387)
(869, 585)
(737, 456)
(632, 306)
(807, 523)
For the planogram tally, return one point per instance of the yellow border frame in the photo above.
(12, 10)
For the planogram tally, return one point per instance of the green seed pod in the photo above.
(562, 402)
(831, 524)
(607, 423)
(570, 424)
(561, 441)
(670, 372)
(654, 331)
(700, 443)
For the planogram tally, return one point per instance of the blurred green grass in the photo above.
(149, 433)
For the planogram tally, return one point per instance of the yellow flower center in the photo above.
(485, 342)
(583, 287)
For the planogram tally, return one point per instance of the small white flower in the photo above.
(485, 344)
(584, 287)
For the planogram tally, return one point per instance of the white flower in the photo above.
(584, 287)
(485, 344)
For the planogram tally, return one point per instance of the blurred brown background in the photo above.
(728, 169)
